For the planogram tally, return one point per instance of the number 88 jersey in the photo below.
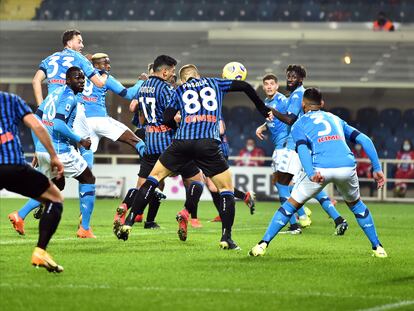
(200, 102)
(56, 65)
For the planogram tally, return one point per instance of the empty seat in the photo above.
(342, 112)
(408, 116)
(391, 117)
(368, 116)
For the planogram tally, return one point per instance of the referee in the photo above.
(17, 176)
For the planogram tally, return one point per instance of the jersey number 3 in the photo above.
(319, 119)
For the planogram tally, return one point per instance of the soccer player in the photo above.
(99, 123)
(17, 176)
(326, 158)
(53, 69)
(57, 112)
(199, 101)
(152, 100)
(288, 164)
(248, 197)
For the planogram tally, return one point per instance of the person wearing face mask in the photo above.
(249, 152)
(404, 170)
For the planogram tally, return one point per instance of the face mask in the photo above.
(357, 147)
(249, 148)
(406, 147)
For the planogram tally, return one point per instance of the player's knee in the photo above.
(60, 183)
(351, 204)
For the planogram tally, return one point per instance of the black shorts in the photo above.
(205, 153)
(148, 162)
(23, 179)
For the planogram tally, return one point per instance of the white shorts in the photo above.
(72, 161)
(344, 178)
(80, 126)
(104, 127)
(286, 161)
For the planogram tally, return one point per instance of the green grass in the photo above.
(153, 270)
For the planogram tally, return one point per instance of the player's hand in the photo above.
(143, 76)
(177, 117)
(259, 132)
(56, 166)
(133, 106)
(35, 161)
(86, 142)
(318, 178)
(269, 116)
(379, 178)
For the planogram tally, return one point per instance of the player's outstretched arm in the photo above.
(241, 86)
(99, 80)
(118, 88)
(34, 124)
(287, 118)
(37, 86)
(259, 131)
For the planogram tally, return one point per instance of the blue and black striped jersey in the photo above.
(12, 111)
(200, 102)
(153, 97)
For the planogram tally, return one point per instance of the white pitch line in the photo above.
(197, 290)
(391, 306)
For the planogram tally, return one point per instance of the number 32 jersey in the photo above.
(153, 98)
(56, 65)
(200, 102)
(325, 135)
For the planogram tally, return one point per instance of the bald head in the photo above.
(188, 71)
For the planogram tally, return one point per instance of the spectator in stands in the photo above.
(382, 23)
(363, 168)
(404, 170)
(248, 152)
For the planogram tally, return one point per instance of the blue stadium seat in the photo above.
(265, 11)
(342, 112)
(405, 130)
(222, 12)
(381, 130)
(408, 116)
(391, 117)
(393, 144)
(200, 12)
(369, 116)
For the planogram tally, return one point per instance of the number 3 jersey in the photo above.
(56, 65)
(200, 102)
(60, 104)
(325, 135)
(153, 98)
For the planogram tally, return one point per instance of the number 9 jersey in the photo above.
(56, 65)
(200, 102)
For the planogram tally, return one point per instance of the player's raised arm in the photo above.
(357, 137)
(241, 86)
(37, 85)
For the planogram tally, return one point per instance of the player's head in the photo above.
(150, 69)
(75, 79)
(312, 99)
(72, 39)
(188, 71)
(101, 61)
(270, 85)
(164, 67)
(295, 74)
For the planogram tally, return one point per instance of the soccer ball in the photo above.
(234, 71)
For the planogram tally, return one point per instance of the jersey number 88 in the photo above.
(192, 100)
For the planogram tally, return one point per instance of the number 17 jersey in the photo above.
(200, 102)
(153, 98)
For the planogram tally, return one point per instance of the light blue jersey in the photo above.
(325, 135)
(56, 65)
(94, 97)
(61, 104)
(294, 106)
(278, 130)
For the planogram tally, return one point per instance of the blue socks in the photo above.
(284, 194)
(279, 220)
(327, 205)
(140, 147)
(28, 207)
(87, 203)
(87, 155)
(365, 221)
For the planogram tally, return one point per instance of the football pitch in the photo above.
(153, 270)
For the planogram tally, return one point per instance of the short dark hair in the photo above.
(270, 76)
(314, 95)
(163, 60)
(298, 69)
(72, 70)
(69, 34)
